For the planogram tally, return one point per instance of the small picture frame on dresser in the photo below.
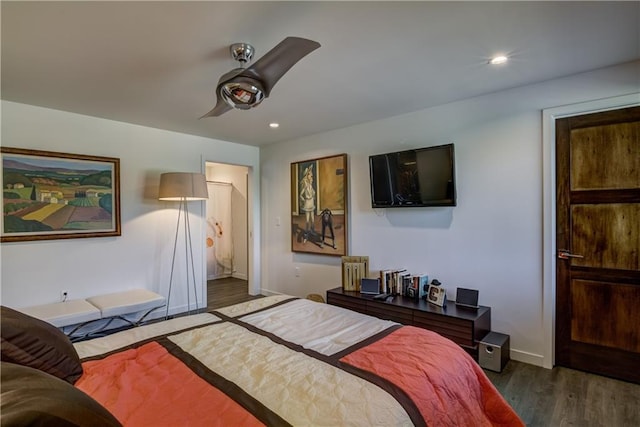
(437, 295)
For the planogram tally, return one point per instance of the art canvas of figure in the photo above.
(318, 205)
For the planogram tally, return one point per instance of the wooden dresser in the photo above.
(461, 325)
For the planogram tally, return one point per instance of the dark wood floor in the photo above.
(542, 397)
(566, 397)
(229, 291)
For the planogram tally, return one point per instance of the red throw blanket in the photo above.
(147, 386)
(446, 393)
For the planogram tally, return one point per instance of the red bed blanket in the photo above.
(147, 386)
(449, 388)
(250, 367)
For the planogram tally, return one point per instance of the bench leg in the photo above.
(132, 323)
(75, 338)
(139, 322)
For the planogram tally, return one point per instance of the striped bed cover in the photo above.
(281, 360)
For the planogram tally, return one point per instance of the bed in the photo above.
(277, 360)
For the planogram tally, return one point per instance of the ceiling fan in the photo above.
(244, 88)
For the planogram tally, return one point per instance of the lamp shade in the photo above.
(183, 186)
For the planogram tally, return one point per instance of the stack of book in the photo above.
(354, 268)
(399, 282)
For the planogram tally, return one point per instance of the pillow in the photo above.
(34, 398)
(32, 342)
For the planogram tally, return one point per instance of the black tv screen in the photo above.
(413, 178)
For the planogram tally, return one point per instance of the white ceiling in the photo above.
(157, 63)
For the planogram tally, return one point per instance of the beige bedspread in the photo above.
(286, 361)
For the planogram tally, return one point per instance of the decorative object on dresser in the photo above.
(319, 206)
(49, 195)
(369, 286)
(183, 187)
(463, 326)
(467, 297)
(354, 269)
(437, 295)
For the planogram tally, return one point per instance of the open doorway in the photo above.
(226, 232)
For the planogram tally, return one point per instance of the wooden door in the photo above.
(598, 228)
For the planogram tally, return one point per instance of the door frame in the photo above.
(549, 117)
(254, 259)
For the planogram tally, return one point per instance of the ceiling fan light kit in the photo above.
(245, 88)
(242, 93)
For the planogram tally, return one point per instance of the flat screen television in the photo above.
(413, 178)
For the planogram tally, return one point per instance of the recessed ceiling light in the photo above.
(499, 59)
(274, 125)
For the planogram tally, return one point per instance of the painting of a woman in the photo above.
(318, 201)
(307, 198)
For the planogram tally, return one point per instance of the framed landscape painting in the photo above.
(319, 206)
(48, 195)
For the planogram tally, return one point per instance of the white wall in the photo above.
(237, 177)
(491, 241)
(36, 272)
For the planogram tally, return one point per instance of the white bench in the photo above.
(109, 307)
(61, 314)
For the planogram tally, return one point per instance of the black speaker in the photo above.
(493, 352)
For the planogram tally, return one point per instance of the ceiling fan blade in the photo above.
(220, 108)
(275, 63)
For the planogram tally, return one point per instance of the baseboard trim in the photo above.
(525, 357)
(240, 276)
(222, 276)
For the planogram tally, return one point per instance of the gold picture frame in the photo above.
(319, 206)
(49, 195)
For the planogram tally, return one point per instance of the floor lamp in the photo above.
(183, 187)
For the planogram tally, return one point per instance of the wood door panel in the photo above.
(605, 315)
(598, 217)
(607, 235)
(608, 157)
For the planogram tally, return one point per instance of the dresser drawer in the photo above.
(347, 302)
(390, 312)
(459, 331)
